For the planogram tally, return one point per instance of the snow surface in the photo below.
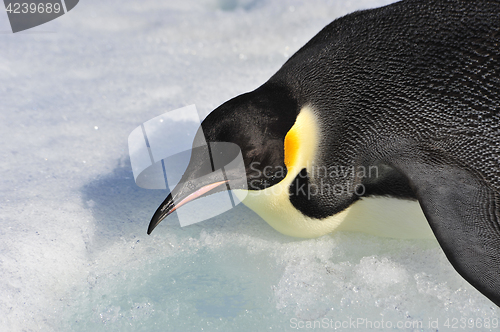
(74, 254)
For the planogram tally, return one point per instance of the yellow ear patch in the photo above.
(291, 147)
(301, 142)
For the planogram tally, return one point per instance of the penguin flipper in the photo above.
(464, 214)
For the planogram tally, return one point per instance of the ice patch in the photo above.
(74, 254)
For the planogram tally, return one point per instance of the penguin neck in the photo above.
(273, 204)
(381, 216)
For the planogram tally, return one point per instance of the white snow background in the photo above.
(74, 254)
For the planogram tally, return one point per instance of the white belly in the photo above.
(381, 216)
(389, 217)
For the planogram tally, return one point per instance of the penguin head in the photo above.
(258, 124)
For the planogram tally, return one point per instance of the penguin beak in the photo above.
(168, 206)
(206, 174)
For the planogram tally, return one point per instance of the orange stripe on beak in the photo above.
(197, 193)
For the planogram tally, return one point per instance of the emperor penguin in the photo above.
(411, 91)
